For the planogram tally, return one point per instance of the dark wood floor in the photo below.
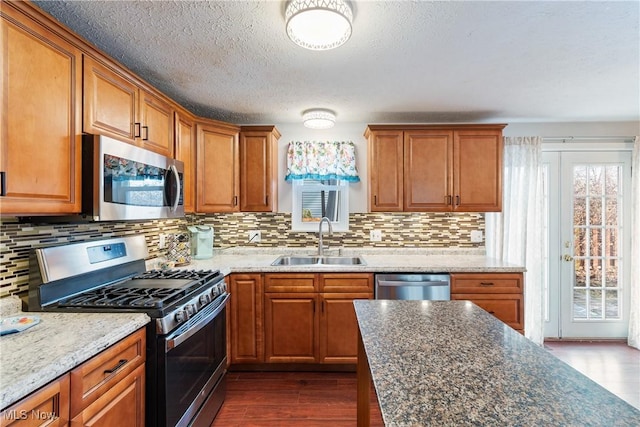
(308, 399)
(301, 399)
(612, 364)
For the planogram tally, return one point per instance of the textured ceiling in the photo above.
(407, 61)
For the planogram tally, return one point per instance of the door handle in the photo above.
(567, 257)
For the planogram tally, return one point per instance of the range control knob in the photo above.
(181, 316)
(190, 309)
(204, 299)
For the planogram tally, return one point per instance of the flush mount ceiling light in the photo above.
(319, 118)
(318, 24)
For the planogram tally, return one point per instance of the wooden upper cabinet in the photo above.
(218, 169)
(435, 168)
(185, 151)
(478, 170)
(40, 139)
(156, 119)
(115, 105)
(428, 170)
(110, 102)
(385, 151)
(259, 168)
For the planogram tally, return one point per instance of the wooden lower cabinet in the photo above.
(296, 318)
(500, 294)
(48, 406)
(106, 390)
(291, 327)
(246, 318)
(339, 327)
(122, 405)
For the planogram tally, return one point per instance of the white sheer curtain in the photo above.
(634, 301)
(514, 235)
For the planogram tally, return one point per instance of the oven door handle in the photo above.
(174, 342)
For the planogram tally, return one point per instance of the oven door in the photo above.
(195, 364)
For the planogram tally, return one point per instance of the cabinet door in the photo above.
(110, 102)
(156, 118)
(478, 170)
(291, 327)
(339, 327)
(428, 170)
(48, 406)
(121, 405)
(40, 151)
(218, 170)
(185, 151)
(258, 171)
(386, 171)
(245, 317)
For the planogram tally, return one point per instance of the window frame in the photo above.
(302, 186)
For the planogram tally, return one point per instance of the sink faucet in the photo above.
(320, 245)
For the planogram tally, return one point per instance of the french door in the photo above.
(589, 239)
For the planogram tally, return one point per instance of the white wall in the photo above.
(355, 132)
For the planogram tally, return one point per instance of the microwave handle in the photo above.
(174, 206)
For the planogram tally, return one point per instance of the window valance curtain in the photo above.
(322, 160)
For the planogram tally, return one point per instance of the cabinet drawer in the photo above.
(290, 282)
(499, 283)
(340, 282)
(95, 377)
(508, 308)
(48, 406)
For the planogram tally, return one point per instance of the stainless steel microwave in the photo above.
(123, 182)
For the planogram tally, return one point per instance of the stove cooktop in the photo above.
(154, 289)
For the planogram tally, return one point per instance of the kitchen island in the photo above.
(450, 363)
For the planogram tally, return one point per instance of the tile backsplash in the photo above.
(429, 230)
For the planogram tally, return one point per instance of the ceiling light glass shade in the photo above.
(318, 24)
(319, 119)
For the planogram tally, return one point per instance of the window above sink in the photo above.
(314, 199)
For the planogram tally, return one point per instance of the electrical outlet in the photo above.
(162, 242)
(255, 236)
(375, 235)
(476, 236)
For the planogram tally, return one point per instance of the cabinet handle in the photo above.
(136, 130)
(266, 200)
(3, 183)
(235, 200)
(119, 365)
(375, 200)
(146, 134)
(448, 198)
(457, 200)
(487, 284)
(492, 312)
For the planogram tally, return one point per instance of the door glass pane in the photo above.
(579, 304)
(596, 227)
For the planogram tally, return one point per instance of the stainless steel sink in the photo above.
(318, 260)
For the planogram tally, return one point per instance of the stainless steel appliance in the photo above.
(123, 182)
(413, 286)
(186, 339)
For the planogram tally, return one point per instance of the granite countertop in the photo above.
(378, 260)
(60, 342)
(449, 363)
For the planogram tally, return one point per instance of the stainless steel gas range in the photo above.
(186, 339)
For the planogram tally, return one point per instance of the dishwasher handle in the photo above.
(413, 283)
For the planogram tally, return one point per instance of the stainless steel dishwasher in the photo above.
(413, 286)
